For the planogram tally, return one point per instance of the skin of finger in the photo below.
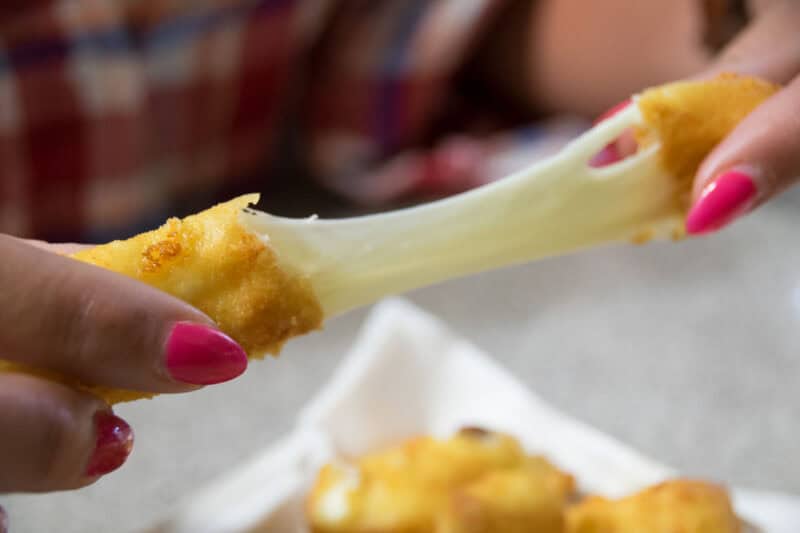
(65, 248)
(767, 141)
(86, 322)
(47, 435)
(3, 521)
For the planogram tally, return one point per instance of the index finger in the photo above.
(102, 328)
(760, 158)
(63, 248)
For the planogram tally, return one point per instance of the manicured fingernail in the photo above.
(613, 111)
(113, 444)
(611, 153)
(201, 355)
(607, 156)
(726, 198)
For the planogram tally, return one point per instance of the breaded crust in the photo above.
(475, 482)
(690, 119)
(678, 506)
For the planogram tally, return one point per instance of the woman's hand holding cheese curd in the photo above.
(70, 319)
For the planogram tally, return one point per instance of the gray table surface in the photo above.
(688, 352)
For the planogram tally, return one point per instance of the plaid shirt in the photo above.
(114, 114)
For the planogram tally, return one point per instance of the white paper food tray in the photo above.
(409, 375)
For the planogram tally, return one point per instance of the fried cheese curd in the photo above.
(474, 482)
(679, 117)
(213, 263)
(483, 482)
(680, 506)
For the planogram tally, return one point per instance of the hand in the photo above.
(100, 328)
(761, 157)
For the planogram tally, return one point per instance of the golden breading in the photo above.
(211, 262)
(680, 506)
(680, 116)
(525, 500)
(476, 482)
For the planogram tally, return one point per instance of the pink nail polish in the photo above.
(613, 111)
(607, 156)
(113, 444)
(201, 355)
(611, 153)
(726, 198)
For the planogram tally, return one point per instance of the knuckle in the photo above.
(99, 327)
(64, 443)
(53, 463)
(77, 335)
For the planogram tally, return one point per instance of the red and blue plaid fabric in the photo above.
(114, 114)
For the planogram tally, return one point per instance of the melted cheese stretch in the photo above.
(211, 261)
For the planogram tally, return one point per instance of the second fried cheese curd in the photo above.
(679, 506)
(483, 482)
(476, 481)
(524, 500)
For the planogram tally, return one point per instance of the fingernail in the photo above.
(611, 153)
(113, 444)
(723, 200)
(201, 355)
(607, 156)
(613, 111)
(3, 521)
